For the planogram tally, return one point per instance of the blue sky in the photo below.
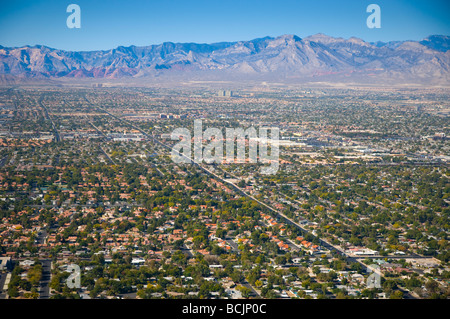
(106, 24)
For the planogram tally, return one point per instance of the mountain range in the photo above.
(287, 57)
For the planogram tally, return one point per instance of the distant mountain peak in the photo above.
(437, 42)
(356, 40)
(289, 37)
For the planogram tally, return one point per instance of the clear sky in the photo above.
(106, 24)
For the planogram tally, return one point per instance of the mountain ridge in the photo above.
(283, 57)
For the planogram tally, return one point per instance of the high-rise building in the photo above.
(226, 93)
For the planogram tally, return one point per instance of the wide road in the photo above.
(107, 156)
(44, 289)
(55, 130)
(3, 293)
